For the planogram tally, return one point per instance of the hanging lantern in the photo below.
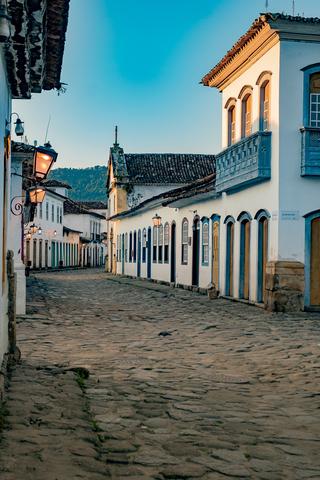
(44, 158)
(33, 229)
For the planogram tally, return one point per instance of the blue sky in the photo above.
(137, 64)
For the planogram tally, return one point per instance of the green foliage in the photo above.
(88, 184)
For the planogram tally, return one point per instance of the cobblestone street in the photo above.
(180, 386)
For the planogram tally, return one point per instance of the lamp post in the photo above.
(36, 195)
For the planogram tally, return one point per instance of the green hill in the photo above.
(87, 184)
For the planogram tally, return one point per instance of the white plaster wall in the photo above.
(297, 194)
(141, 193)
(5, 109)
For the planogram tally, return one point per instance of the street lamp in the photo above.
(33, 229)
(44, 158)
(156, 220)
(19, 129)
(36, 195)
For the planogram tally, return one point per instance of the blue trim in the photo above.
(228, 219)
(244, 163)
(205, 221)
(215, 217)
(244, 216)
(309, 218)
(308, 71)
(262, 214)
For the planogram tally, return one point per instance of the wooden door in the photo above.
(315, 263)
(196, 253)
(215, 253)
(229, 269)
(246, 260)
(173, 254)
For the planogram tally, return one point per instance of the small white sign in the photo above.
(275, 215)
(292, 215)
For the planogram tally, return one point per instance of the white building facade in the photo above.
(252, 232)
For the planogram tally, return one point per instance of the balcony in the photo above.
(310, 151)
(245, 163)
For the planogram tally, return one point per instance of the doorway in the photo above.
(215, 253)
(315, 263)
(262, 258)
(244, 259)
(173, 254)
(149, 248)
(195, 251)
(139, 255)
(229, 259)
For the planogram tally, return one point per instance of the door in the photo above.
(315, 263)
(262, 258)
(40, 253)
(46, 254)
(122, 254)
(215, 254)
(195, 251)
(139, 255)
(173, 254)
(244, 259)
(34, 254)
(149, 248)
(229, 259)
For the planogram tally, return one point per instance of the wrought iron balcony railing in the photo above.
(245, 163)
(310, 151)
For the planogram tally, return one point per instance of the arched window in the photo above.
(184, 242)
(130, 247)
(264, 82)
(311, 100)
(205, 242)
(314, 89)
(154, 250)
(166, 243)
(231, 119)
(160, 244)
(144, 245)
(246, 116)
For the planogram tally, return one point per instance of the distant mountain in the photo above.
(87, 184)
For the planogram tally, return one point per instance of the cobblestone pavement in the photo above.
(180, 387)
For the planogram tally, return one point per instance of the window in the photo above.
(160, 244)
(265, 106)
(246, 121)
(144, 245)
(52, 213)
(118, 246)
(314, 89)
(40, 210)
(231, 125)
(184, 242)
(135, 247)
(126, 247)
(58, 214)
(166, 243)
(130, 247)
(47, 210)
(154, 250)
(205, 242)
(61, 215)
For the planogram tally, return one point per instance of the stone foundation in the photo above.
(284, 286)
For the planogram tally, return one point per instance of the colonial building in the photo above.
(250, 231)
(132, 179)
(32, 37)
(91, 225)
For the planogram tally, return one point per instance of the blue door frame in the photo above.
(122, 254)
(309, 217)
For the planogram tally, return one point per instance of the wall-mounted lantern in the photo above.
(36, 195)
(156, 220)
(44, 158)
(19, 128)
